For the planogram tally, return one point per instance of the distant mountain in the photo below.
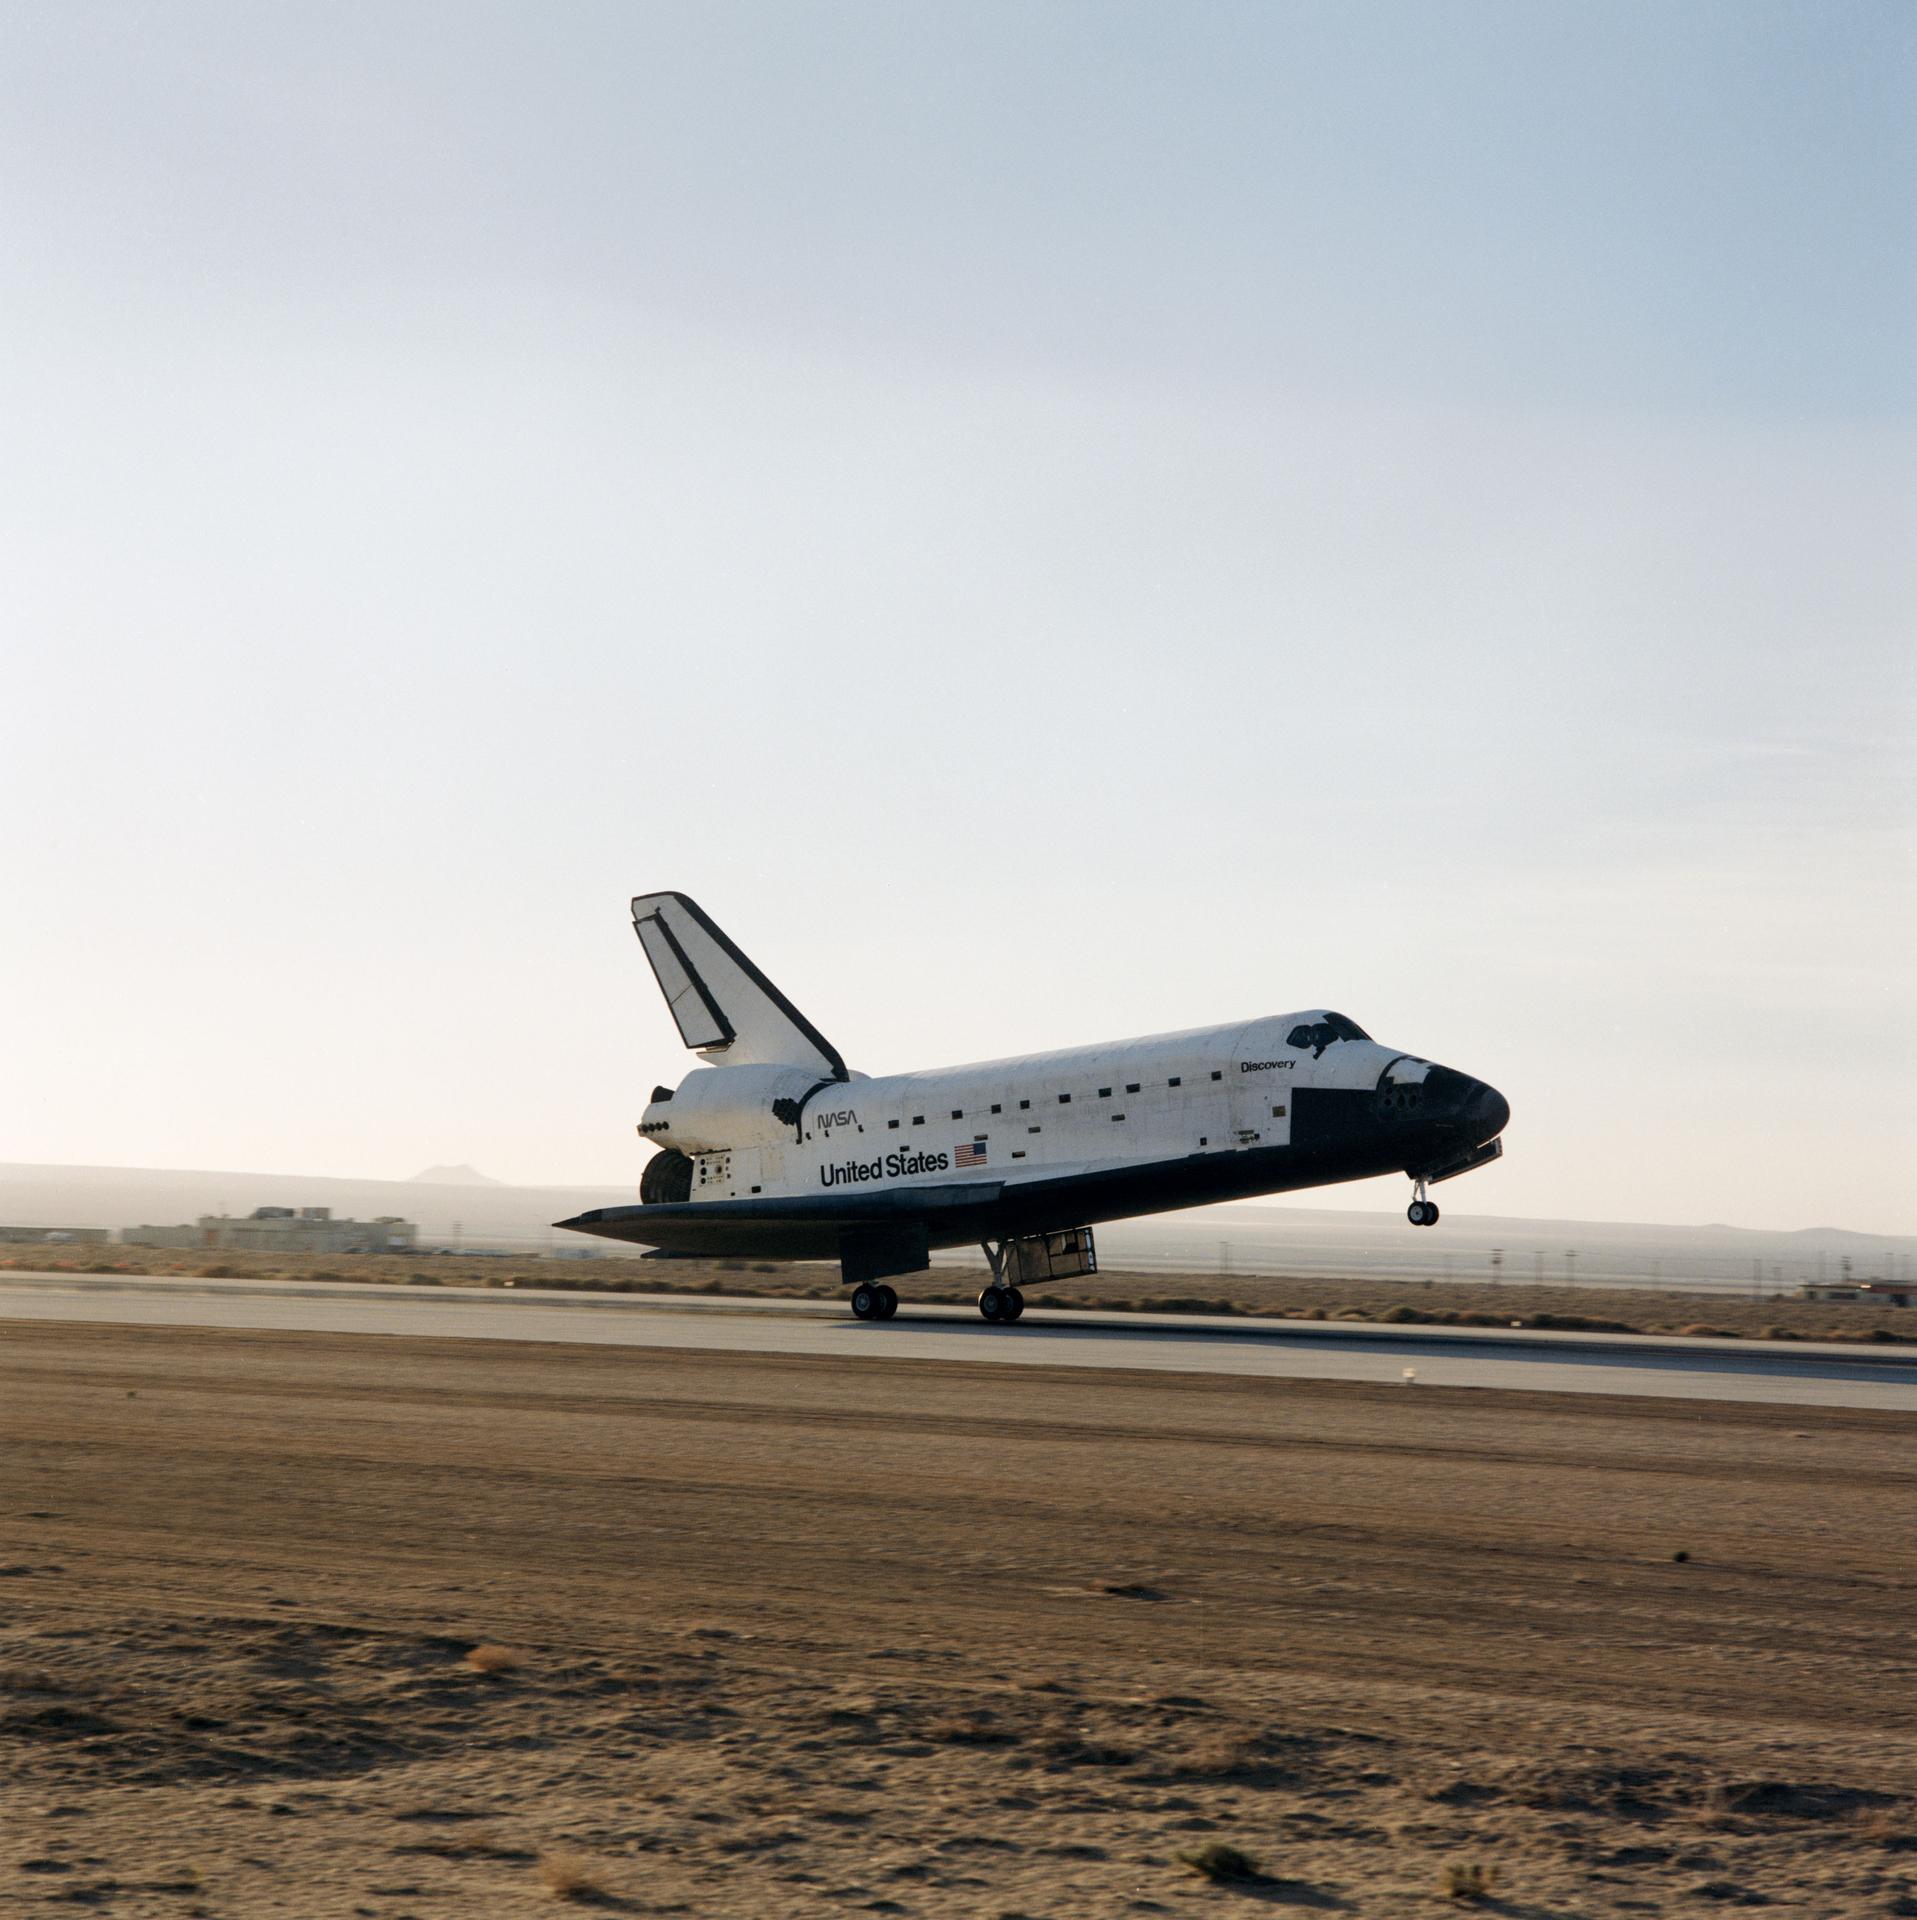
(459, 1176)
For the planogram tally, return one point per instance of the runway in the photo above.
(1803, 1374)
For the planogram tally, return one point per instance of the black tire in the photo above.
(888, 1303)
(865, 1301)
(1431, 1213)
(991, 1305)
(666, 1179)
(1016, 1301)
(1415, 1213)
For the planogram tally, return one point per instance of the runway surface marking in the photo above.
(1800, 1374)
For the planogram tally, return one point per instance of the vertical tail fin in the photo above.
(726, 1009)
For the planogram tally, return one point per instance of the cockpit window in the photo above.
(1318, 1034)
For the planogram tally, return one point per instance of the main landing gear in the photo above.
(872, 1302)
(1421, 1212)
(1001, 1303)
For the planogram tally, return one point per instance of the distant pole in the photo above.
(1497, 1261)
(458, 1240)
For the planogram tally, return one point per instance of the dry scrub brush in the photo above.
(30, 1680)
(570, 1876)
(1217, 1861)
(492, 1659)
(1712, 1810)
(1885, 1826)
(1469, 1880)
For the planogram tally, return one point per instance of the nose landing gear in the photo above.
(1421, 1212)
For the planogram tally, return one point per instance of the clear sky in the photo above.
(1051, 521)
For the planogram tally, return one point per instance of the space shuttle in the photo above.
(775, 1150)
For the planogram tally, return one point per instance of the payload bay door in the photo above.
(1260, 1106)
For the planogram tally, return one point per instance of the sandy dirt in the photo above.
(782, 1637)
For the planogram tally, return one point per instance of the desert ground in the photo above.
(323, 1625)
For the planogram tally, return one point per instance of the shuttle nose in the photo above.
(1486, 1112)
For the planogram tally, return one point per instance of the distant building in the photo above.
(1864, 1293)
(282, 1230)
(52, 1236)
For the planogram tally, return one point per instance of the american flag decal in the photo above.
(970, 1153)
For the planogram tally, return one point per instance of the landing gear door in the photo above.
(1261, 1102)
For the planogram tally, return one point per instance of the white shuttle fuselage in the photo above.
(1038, 1115)
(776, 1149)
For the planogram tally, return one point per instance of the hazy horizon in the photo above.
(1052, 524)
(1367, 1201)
